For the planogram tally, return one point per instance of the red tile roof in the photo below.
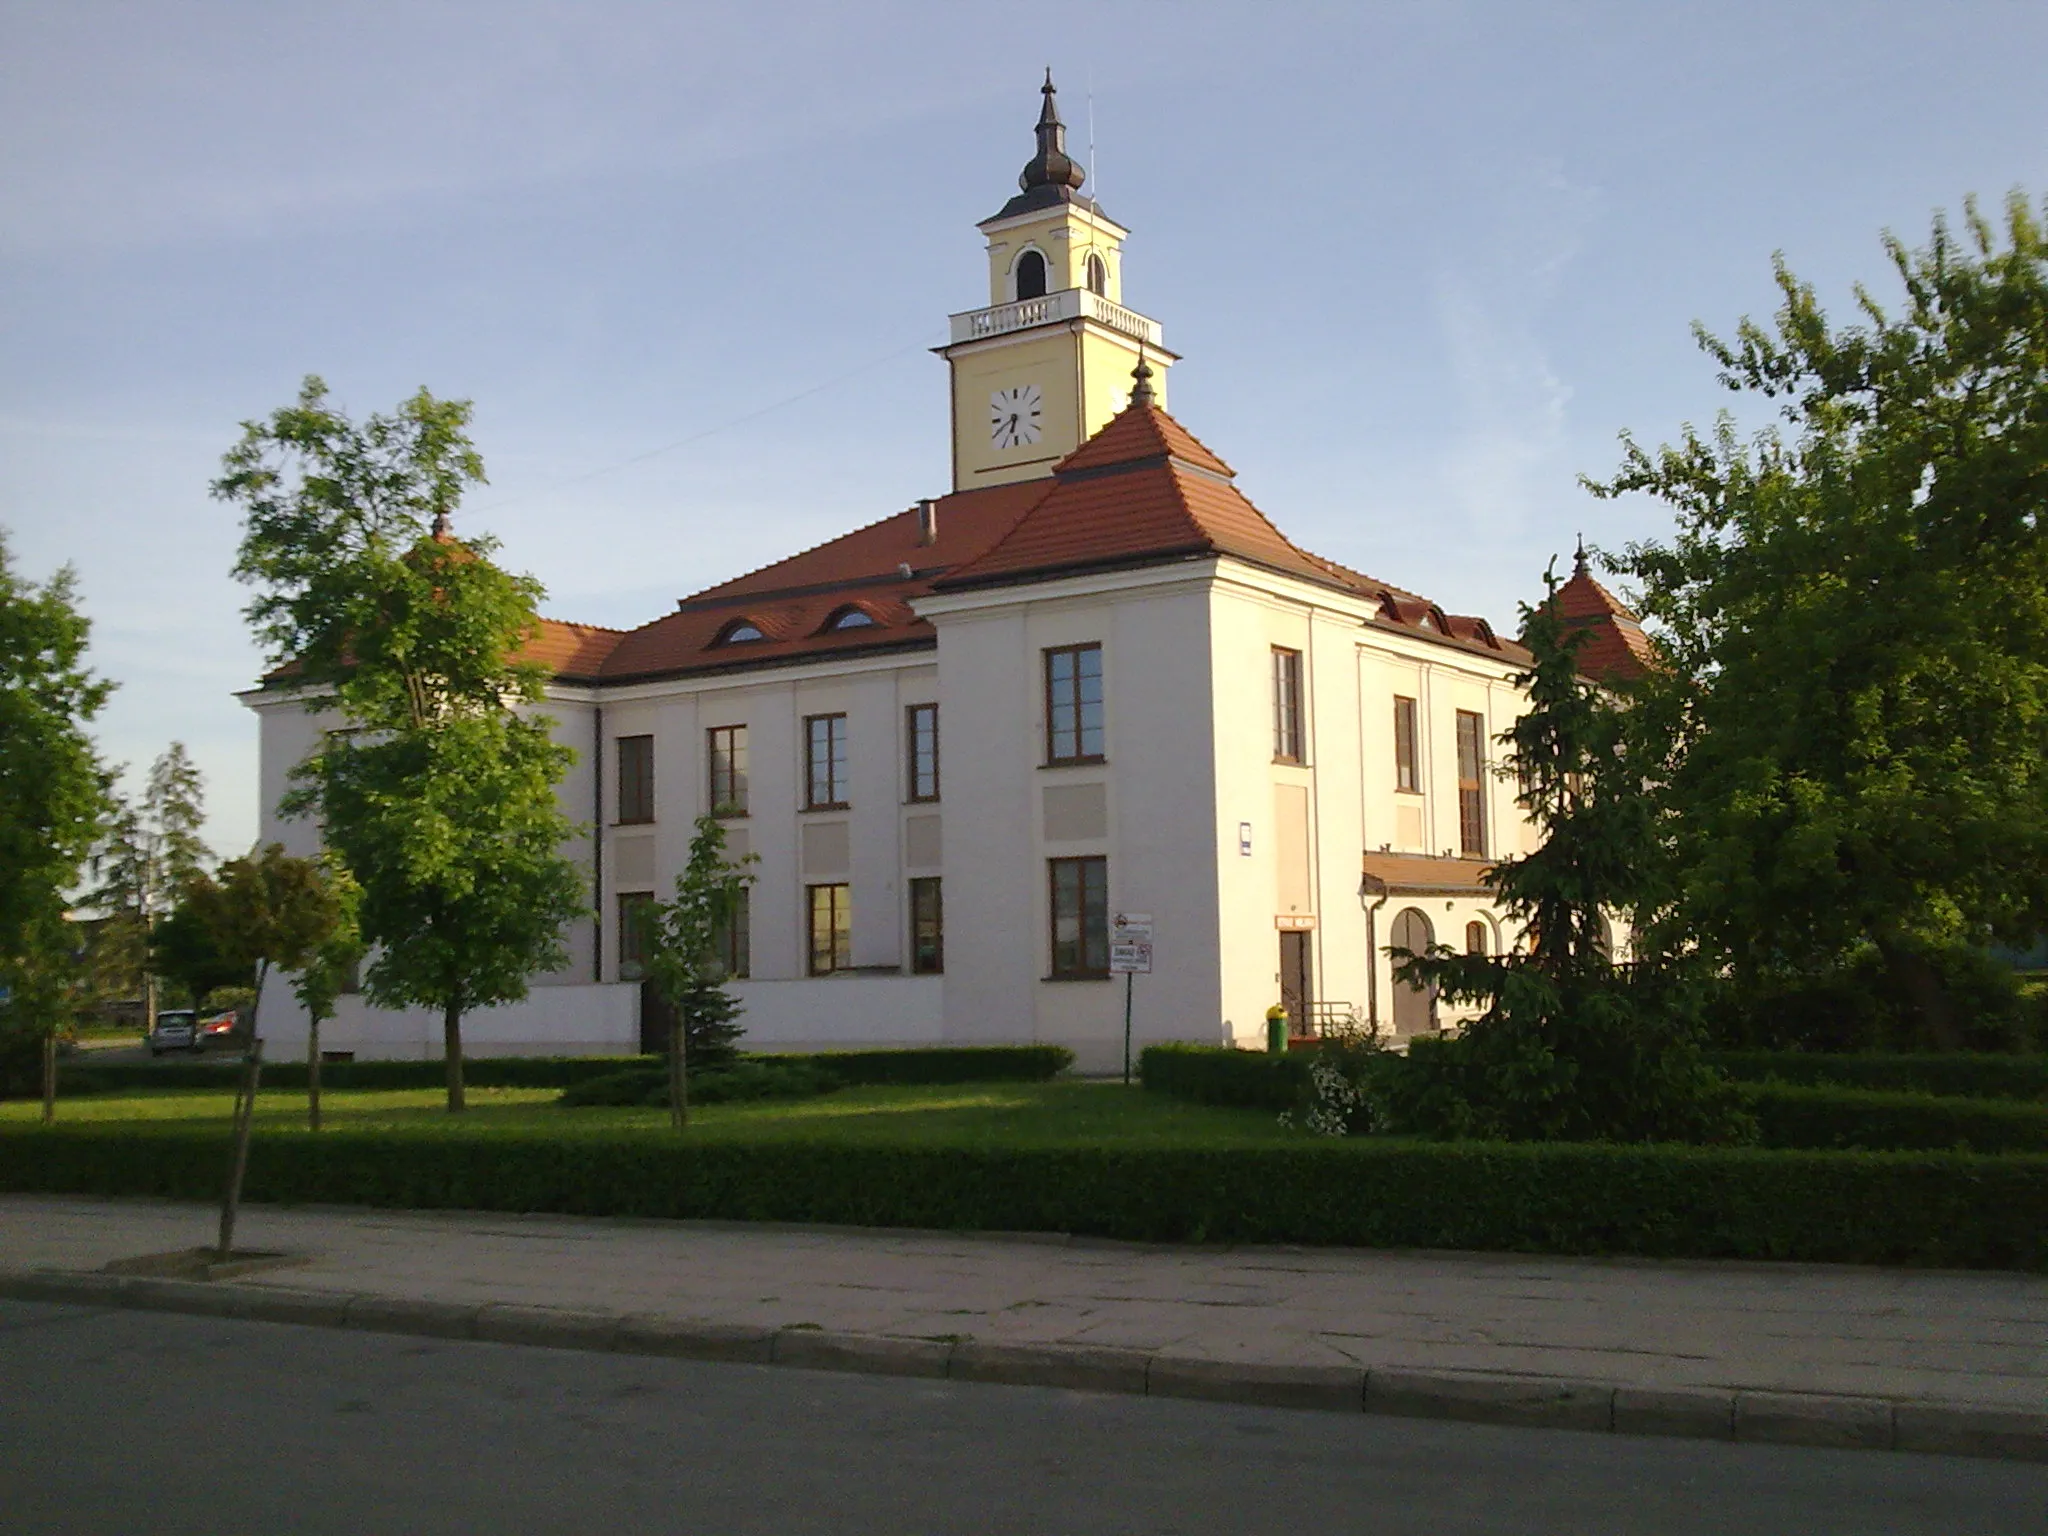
(1615, 646)
(1143, 490)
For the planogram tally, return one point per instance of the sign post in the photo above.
(1130, 952)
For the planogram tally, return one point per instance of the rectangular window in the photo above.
(1080, 916)
(927, 927)
(1286, 706)
(921, 738)
(1073, 704)
(733, 940)
(728, 752)
(636, 778)
(1471, 796)
(824, 762)
(831, 928)
(1407, 764)
(636, 914)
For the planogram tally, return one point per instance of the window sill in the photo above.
(1074, 762)
(727, 813)
(1080, 976)
(642, 821)
(1412, 793)
(837, 805)
(922, 800)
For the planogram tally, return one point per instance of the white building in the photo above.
(1094, 679)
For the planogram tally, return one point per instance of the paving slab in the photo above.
(1804, 1354)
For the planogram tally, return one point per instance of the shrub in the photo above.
(1853, 1117)
(1857, 1006)
(743, 1080)
(943, 1064)
(1932, 1208)
(1964, 1075)
(1212, 1074)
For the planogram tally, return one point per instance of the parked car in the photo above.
(222, 1031)
(177, 1029)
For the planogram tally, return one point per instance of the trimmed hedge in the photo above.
(1961, 1075)
(744, 1080)
(1790, 1116)
(943, 1064)
(1941, 1208)
(1224, 1075)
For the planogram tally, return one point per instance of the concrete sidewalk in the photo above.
(1817, 1354)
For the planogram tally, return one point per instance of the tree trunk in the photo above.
(1921, 985)
(451, 1048)
(678, 1076)
(245, 1114)
(50, 1077)
(313, 1072)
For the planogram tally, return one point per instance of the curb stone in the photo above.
(405, 1314)
(1534, 1401)
(1341, 1387)
(1694, 1413)
(1791, 1418)
(650, 1334)
(1084, 1368)
(1950, 1429)
(818, 1349)
(552, 1327)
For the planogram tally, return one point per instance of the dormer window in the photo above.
(851, 618)
(1098, 275)
(739, 632)
(1031, 276)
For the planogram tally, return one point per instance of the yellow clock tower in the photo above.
(1050, 359)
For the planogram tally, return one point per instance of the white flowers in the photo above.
(1335, 1102)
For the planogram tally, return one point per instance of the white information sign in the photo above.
(1132, 958)
(1131, 926)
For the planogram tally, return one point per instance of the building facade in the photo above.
(1093, 679)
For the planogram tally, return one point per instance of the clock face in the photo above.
(1013, 416)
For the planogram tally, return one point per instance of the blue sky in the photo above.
(1423, 261)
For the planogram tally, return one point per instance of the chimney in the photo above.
(927, 521)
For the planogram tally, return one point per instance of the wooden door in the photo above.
(1295, 992)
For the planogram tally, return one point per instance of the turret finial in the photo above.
(1141, 384)
(1051, 166)
(1579, 558)
(442, 530)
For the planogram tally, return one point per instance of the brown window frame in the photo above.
(733, 941)
(1471, 784)
(927, 912)
(728, 787)
(1289, 733)
(1407, 746)
(920, 792)
(634, 759)
(835, 762)
(632, 951)
(838, 897)
(1081, 966)
(1075, 709)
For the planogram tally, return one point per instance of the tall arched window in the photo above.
(1098, 275)
(1475, 938)
(1031, 276)
(1414, 1007)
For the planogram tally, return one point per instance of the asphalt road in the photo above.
(135, 1421)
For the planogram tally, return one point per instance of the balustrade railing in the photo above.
(1048, 309)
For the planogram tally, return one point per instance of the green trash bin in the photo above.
(1276, 1030)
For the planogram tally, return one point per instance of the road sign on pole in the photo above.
(1130, 954)
(1130, 959)
(1129, 926)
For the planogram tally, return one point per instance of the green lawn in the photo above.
(974, 1115)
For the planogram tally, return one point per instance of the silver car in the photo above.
(177, 1029)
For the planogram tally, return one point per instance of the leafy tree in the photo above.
(441, 801)
(681, 946)
(1855, 614)
(185, 951)
(268, 910)
(326, 972)
(52, 798)
(1571, 1046)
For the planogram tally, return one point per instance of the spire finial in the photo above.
(1579, 558)
(1141, 384)
(1051, 166)
(442, 530)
